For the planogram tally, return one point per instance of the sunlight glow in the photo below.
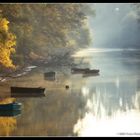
(126, 122)
(85, 91)
(90, 51)
(117, 9)
(117, 82)
(97, 122)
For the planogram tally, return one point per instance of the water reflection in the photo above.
(7, 100)
(110, 106)
(112, 100)
(92, 106)
(90, 75)
(7, 125)
(8, 121)
(10, 113)
(46, 115)
(123, 122)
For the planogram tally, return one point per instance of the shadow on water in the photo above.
(90, 75)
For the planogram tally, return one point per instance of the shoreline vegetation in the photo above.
(23, 70)
(33, 35)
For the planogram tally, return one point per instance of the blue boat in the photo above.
(10, 113)
(10, 106)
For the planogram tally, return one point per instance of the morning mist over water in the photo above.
(73, 74)
(115, 25)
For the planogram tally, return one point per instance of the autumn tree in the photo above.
(44, 29)
(7, 43)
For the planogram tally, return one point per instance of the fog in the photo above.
(115, 25)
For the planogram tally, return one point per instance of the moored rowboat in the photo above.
(49, 75)
(25, 90)
(94, 71)
(10, 106)
(79, 70)
(10, 113)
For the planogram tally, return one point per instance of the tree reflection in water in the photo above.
(55, 114)
(113, 105)
(7, 124)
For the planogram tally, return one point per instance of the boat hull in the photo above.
(91, 72)
(27, 90)
(78, 70)
(9, 113)
(22, 95)
(10, 106)
(49, 76)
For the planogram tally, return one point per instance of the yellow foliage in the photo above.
(7, 42)
(7, 100)
(4, 24)
(7, 125)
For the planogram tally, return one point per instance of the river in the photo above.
(104, 105)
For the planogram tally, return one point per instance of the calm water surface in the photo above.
(104, 105)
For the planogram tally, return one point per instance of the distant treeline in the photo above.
(32, 32)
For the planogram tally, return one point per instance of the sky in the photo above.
(115, 25)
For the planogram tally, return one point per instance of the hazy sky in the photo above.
(115, 25)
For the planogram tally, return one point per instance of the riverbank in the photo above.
(23, 70)
(17, 73)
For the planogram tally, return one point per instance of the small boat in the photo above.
(27, 92)
(49, 76)
(10, 106)
(10, 113)
(79, 70)
(94, 71)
